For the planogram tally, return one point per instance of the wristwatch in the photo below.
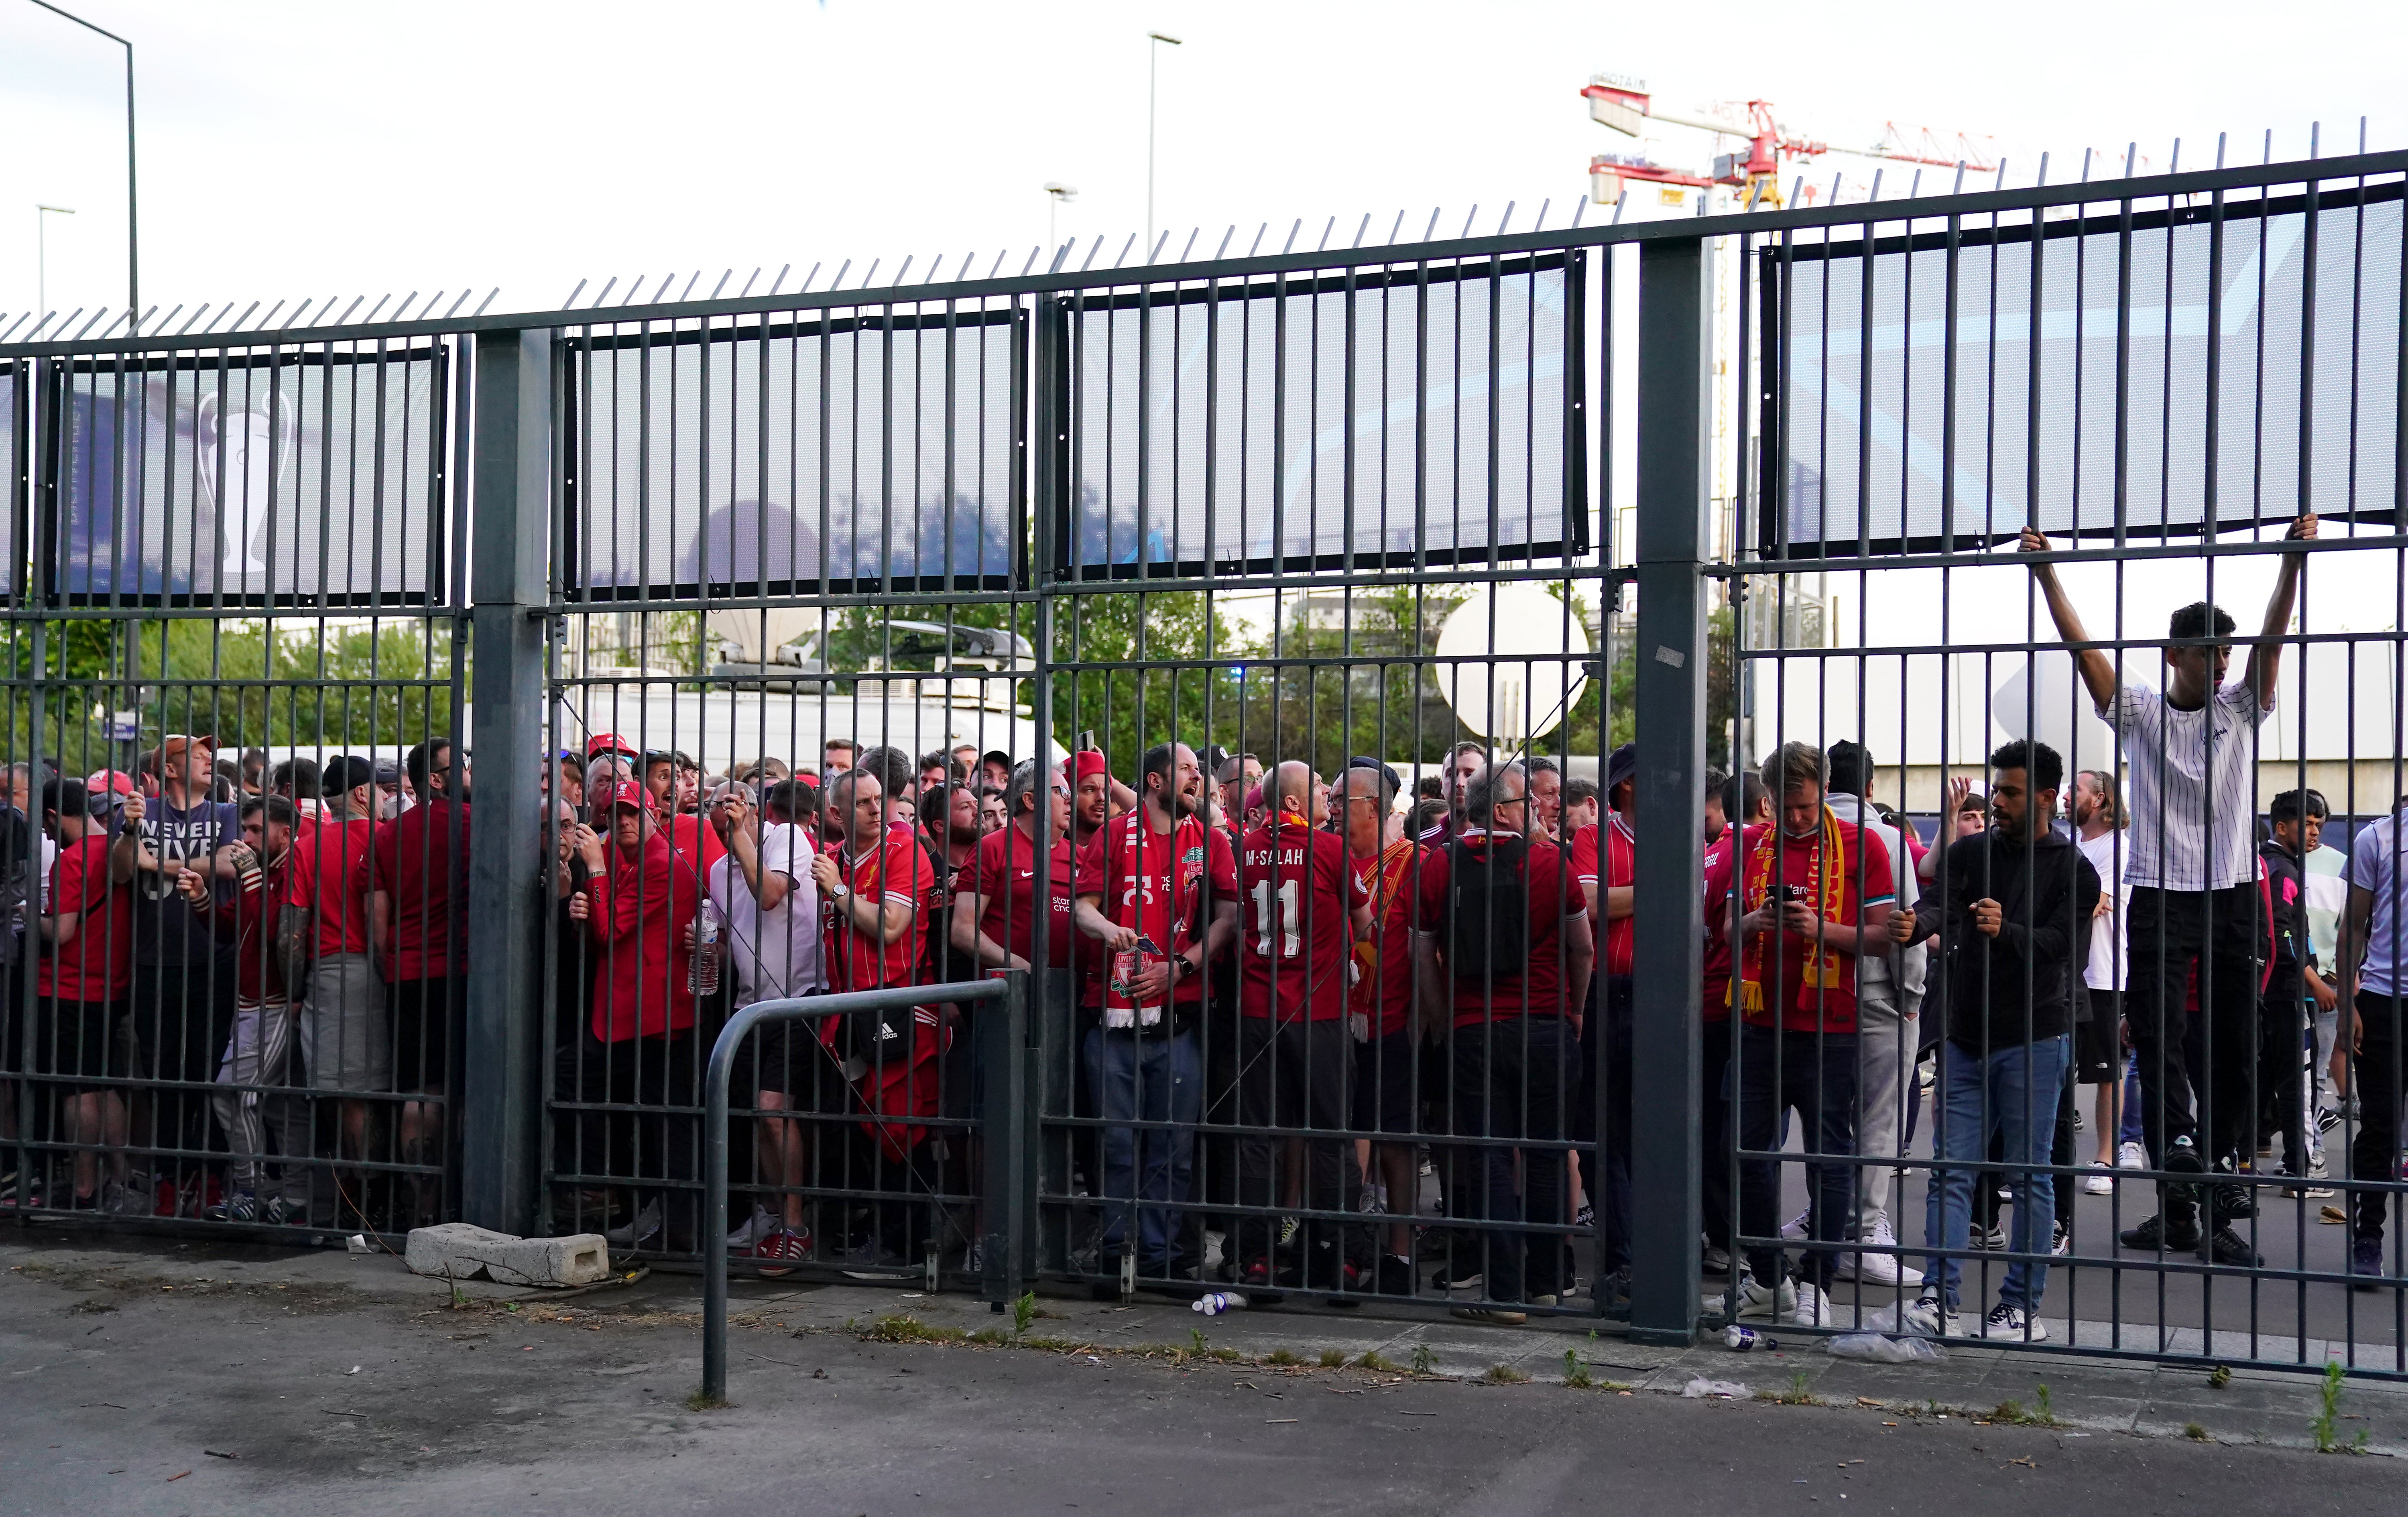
(839, 890)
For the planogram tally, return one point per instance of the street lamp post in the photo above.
(1056, 196)
(133, 241)
(1153, 54)
(42, 257)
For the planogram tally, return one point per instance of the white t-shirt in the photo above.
(2105, 968)
(2175, 798)
(2377, 862)
(775, 954)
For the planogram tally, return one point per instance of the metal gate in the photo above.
(773, 599)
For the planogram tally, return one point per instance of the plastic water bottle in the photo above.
(702, 971)
(1214, 1303)
(1741, 1340)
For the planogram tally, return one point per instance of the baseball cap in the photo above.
(172, 748)
(608, 742)
(109, 782)
(1620, 765)
(344, 772)
(387, 772)
(1087, 762)
(621, 792)
(1396, 781)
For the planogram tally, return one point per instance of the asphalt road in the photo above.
(121, 1396)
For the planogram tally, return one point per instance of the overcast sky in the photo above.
(298, 149)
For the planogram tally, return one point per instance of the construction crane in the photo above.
(1624, 104)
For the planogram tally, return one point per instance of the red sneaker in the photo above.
(779, 1251)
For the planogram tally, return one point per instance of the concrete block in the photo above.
(456, 1250)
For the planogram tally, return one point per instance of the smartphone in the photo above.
(1088, 743)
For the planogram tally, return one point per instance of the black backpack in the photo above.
(1488, 910)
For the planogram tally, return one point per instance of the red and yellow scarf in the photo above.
(1835, 901)
(1394, 869)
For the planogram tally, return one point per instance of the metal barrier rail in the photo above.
(1001, 1155)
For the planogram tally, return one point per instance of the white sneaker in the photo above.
(639, 1230)
(1796, 1226)
(1755, 1301)
(1876, 1268)
(1925, 1318)
(2100, 1183)
(2011, 1322)
(2131, 1156)
(1214, 1256)
(1813, 1307)
(759, 1224)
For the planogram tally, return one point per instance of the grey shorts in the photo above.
(343, 1027)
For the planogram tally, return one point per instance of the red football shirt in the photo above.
(98, 963)
(1828, 1008)
(1718, 918)
(1003, 875)
(898, 869)
(1553, 896)
(1388, 880)
(411, 862)
(1157, 882)
(696, 841)
(1295, 941)
(638, 909)
(329, 870)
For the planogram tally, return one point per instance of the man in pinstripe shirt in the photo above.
(2192, 867)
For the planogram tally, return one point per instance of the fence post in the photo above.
(1009, 1195)
(1676, 355)
(501, 1084)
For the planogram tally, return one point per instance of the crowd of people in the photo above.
(1322, 1034)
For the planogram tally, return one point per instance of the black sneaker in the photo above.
(2158, 1232)
(2225, 1247)
(1393, 1276)
(1611, 1293)
(2230, 1201)
(2366, 1263)
(2182, 1200)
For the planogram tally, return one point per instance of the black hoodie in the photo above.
(1996, 993)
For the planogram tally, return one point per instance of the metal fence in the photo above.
(771, 600)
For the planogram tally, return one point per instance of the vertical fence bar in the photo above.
(501, 1093)
(1676, 361)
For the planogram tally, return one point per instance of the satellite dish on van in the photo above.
(1533, 647)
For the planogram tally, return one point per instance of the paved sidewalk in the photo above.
(2083, 1394)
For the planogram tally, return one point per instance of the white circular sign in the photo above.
(1522, 650)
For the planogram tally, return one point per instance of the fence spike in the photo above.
(372, 309)
(11, 333)
(1125, 251)
(805, 287)
(1222, 250)
(1290, 245)
(2219, 148)
(45, 322)
(1505, 221)
(2174, 165)
(571, 304)
(1619, 201)
(1192, 233)
(870, 274)
(722, 283)
(613, 284)
(1468, 216)
(1796, 188)
(2131, 158)
(1159, 243)
(691, 280)
(997, 267)
(194, 316)
(97, 315)
(1360, 230)
(1579, 209)
(781, 280)
(837, 283)
(1061, 255)
(171, 315)
(1326, 227)
(1259, 232)
(1397, 228)
(2316, 139)
(1097, 248)
(1031, 262)
(905, 272)
(1432, 235)
(2269, 156)
(398, 311)
(2003, 174)
(487, 301)
(465, 292)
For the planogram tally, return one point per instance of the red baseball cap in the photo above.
(1087, 762)
(608, 742)
(109, 782)
(623, 793)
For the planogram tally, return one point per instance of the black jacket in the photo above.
(1997, 992)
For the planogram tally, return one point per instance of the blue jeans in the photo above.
(2011, 1094)
(1156, 1078)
